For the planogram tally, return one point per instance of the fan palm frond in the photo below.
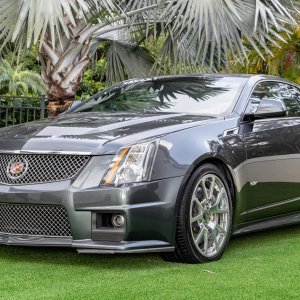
(216, 27)
(28, 21)
(125, 59)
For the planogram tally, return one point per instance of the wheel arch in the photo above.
(226, 170)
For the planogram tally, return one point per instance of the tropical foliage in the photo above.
(284, 60)
(16, 81)
(197, 35)
(94, 80)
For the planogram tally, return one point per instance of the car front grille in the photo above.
(39, 168)
(34, 220)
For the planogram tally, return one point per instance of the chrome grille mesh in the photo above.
(41, 220)
(41, 168)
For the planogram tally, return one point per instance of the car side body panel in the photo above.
(272, 168)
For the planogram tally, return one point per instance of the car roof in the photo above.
(194, 76)
(252, 79)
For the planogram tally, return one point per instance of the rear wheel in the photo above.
(205, 218)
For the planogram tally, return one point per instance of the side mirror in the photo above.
(268, 108)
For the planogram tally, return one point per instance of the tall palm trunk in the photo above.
(63, 66)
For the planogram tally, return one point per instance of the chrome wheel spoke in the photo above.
(199, 236)
(206, 242)
(198, 218)
(216, 211)
(204, 190)
(220, 229)
(212, 187)
(216, 244)
(197, 202)
(221, 193)
(215, 207)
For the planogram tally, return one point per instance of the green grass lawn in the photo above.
(261, 265)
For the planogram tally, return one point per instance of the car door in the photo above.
(273, 160)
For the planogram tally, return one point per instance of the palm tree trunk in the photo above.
(58, 101)
(61, 92)
(63, 67)
(62, 86)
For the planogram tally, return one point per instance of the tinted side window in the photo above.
(292, 101)
(289, 94)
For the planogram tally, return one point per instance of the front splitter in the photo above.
(87, 246)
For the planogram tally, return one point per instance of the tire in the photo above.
(204, 221)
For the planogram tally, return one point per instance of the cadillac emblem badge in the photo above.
(17, 169)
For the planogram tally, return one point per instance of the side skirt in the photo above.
(268, 224)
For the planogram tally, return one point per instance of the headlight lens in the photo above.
(131, 164)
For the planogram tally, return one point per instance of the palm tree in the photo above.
(18, 82)
(197, 35)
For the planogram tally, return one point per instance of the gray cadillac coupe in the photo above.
(175, 165)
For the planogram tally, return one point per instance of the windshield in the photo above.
(210, 96)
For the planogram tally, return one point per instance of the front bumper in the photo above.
(149, 209)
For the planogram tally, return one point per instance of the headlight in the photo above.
(131, 164)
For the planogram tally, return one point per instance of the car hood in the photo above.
(94, 133)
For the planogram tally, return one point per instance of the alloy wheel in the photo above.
(209, 215)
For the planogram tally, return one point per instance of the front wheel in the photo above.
(204, 221)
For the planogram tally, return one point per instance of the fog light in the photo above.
(118, 221)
